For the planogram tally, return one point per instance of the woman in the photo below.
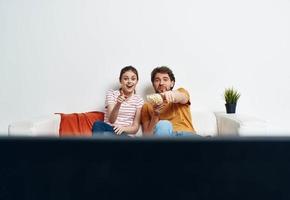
(123, 107)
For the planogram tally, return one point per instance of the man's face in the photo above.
(162, 83)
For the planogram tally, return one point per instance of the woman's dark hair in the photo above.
(163, 70)
(128, 68)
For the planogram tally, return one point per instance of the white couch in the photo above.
(207, 124)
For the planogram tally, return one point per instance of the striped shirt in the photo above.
(127, 110)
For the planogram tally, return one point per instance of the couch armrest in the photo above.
(241, 125)
(42, 126)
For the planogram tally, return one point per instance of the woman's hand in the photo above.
(122, 97)
(119, 130)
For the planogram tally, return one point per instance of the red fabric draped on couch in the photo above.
(78, 124)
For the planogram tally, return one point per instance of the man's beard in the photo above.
(161, 89)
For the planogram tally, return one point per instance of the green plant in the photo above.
(231, 95)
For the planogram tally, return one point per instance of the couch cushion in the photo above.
(204, 122)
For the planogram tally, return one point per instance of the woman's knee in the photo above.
(99, 126)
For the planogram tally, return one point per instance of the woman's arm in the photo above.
(130, 129)
(113, 109)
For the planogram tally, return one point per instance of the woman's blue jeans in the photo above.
(101, 128)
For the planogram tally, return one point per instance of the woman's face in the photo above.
(129, 82)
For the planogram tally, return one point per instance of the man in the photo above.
(172, 117)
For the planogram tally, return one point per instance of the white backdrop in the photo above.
(63, 55)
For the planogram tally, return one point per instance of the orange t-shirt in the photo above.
(178, 114)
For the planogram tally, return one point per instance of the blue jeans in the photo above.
(164, 128)
(101, 128)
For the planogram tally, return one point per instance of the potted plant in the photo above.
(231, 97)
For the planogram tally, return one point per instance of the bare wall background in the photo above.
(63, 55)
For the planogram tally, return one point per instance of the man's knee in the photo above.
(163, 124)
(163, 128)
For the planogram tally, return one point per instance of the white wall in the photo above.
(63, 55)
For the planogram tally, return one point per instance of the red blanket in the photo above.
(78, 124)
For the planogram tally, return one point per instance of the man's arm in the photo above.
(148, 126)
(149, 118)
(175, 97)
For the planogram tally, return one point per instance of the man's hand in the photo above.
(158, 109)
(168, 96)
